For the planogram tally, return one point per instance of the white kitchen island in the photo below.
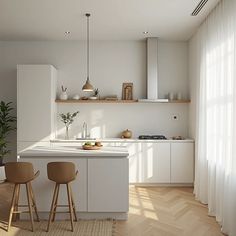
(101, 189)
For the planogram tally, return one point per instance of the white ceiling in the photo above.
(110, 19)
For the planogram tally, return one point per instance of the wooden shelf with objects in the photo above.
(113, 101)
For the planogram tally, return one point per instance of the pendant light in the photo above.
(87, 86)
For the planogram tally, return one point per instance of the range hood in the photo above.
(152, 72)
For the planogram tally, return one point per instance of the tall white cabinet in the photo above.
(36, 93)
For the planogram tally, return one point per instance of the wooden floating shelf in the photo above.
(179, 101)
(115, 101)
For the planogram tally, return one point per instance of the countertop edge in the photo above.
(123, 140)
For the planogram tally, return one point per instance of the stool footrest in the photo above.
(15, 212)
(61, 205)
(60, 212)
(25, 205)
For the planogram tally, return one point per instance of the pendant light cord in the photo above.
(88, 15)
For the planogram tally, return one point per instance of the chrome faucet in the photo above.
(85, 133)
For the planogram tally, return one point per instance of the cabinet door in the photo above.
(43, 187)
(182, 159)
(108, 185)
(35, 102)
(135, 168)
(155, 163)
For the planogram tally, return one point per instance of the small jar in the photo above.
(171, 96)
(179, 96)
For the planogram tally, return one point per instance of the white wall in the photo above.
(173, 68)
(112, 63)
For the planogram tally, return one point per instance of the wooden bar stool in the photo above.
(21, 173)
(62, 173)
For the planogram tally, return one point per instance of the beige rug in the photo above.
(62, 228)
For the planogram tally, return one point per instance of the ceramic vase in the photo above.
(63, 96)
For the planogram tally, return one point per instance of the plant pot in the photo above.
(2, 173)
(63, 96)
(1, 161)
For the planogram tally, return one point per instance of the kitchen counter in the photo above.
(74, 151)
(101, 189)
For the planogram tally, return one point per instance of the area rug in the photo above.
(62, 228)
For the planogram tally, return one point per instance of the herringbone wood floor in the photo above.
(154, 211)
(166, 211)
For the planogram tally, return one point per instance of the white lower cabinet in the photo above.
(161, 162)
(155, 163)
(182, 162)
(107, 191)
(149, 162)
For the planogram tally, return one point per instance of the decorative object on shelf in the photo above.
(126, 134)
(95, 95)
(171, 96)
(63, 95)
(7, 122)
(127, 91)
(76, 97)
(87, 86)
(179, 96)
(68, 119)
(111, 98)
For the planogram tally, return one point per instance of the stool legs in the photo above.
(14, 212)
(73, 204)
(54, 206)
(70, 206)
(56, 203)
(16, 215)
(34, 202)
(30, 205)
(12, 206)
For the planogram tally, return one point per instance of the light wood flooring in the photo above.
(166, 211)
(153, 211)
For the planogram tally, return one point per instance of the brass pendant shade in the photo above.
(87, 86)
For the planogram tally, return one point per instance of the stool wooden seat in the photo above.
(62, 173)
(21, 173)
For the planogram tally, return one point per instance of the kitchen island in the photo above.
(101, 188)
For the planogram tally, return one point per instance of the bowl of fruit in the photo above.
(91, 146)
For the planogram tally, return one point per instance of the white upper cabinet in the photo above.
(182, 162)
(36, 95)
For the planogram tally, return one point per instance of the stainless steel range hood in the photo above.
(152, 72)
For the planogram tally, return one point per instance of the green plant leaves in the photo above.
(6, 125)
(68, 118)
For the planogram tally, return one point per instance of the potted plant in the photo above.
(68, 119)
(7, 122)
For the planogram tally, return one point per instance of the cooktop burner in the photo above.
(152, 137)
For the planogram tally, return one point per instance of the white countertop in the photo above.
(41, 151)
(122, 140)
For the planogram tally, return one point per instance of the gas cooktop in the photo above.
(152, 137)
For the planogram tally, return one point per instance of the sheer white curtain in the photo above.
(215, 178)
